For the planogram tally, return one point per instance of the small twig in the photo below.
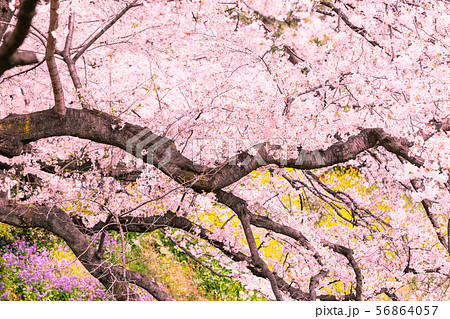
(148, 201)
(22, 72)
(227, 221)
(101, 245)
(427, 207)
(187, 252)
(360, 30)
(104, 29)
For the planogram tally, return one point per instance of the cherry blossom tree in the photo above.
(302, 145)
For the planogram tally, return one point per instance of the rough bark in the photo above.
(9, 55)
(17, 130)
(58, 93)
(5, 16)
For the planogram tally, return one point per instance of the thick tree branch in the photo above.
(314, 282)
(6, 15)
(348, 253)
(391, 294)
(98, 127)
(18, 130)
(35, 66)
(239, 206)
(266, 223)
(9, 56)
(83, 164)
(170, 219)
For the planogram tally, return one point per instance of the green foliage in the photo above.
(37, 236)
(5, 233)
(211, 286)
(157, 256)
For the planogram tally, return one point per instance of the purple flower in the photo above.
(35, 275)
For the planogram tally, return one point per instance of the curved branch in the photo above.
(58, 222)
(239, 206)
(314, 282)
(18, 130)
(388, 292)
(427, 207)
(35, 66)
(348, 253)
(267, 223)
(9, 56)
